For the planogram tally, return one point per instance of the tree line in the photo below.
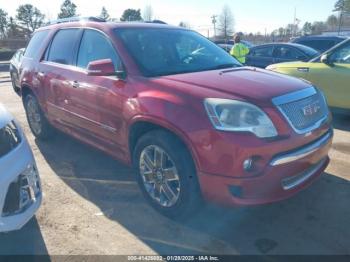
(29, 18)
(332, 23)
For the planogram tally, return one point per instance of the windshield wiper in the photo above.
(224, 66)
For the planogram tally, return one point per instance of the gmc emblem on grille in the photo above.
(311, 109)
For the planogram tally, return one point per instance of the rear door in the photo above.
(56, 72)
(261, 56)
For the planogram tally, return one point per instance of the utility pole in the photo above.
(340, 21)
(213, 21)
(294, 22)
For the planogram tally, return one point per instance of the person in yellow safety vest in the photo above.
(239, 50)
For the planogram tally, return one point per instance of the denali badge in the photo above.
(311, 109)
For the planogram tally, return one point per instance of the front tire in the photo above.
(166, 174)
(37, 121)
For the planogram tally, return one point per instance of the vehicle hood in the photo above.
(5, 116)
(247, 83)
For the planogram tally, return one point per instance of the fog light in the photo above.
(236, 191)
(248, 164)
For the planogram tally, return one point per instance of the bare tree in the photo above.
(3, 22)
(226, 22)
(147, 13)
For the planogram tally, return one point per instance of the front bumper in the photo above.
(283, 176)
(13, 168)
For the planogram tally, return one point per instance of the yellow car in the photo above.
(330, 72)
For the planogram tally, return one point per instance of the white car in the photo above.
(20, 188)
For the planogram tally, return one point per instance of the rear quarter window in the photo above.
(35, 43)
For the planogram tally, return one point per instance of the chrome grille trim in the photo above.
(305, 151)
(294, 181)
(283, 104)
(295, 96)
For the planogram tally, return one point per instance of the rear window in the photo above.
(320, 45)
(35, 43)
(63, 46)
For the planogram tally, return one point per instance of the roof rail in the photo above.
(156, 22)
(77, 19)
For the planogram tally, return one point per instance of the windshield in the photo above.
(173, 51)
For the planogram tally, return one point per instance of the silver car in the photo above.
(20, 188)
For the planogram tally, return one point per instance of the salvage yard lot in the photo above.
(92, 205)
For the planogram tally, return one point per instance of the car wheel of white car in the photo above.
(37, 121)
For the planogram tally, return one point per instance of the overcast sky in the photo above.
(250, 15)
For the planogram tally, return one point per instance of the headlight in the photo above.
(233, 115)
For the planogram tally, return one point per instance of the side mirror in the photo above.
(103, 67)
(325, 59)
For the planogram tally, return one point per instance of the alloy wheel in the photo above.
(34, 117)
(160, 176)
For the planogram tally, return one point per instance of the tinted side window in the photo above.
(95, 46)
(35, 43)
(263, 51)
(288, 53)
(321, 45)
(341, 55)
(63, 46)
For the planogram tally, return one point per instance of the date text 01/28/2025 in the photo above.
(173, 258)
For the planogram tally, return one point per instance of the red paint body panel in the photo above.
(101, 111)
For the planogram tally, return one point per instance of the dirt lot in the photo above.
(92, 205)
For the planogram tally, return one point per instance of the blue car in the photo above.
(268, 54)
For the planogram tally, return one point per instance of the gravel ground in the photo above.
(92, 205)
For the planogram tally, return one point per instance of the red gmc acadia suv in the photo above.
(193, 122)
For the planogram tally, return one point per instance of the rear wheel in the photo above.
(166, 174)
(37, 121)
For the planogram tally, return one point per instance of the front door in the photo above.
(334, 78)
(98, 99)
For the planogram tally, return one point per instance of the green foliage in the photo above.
(184, 25)
(131, 15)
(68, 9)
(307, 28)
(342, 6)
(104, 14)
(30, 17)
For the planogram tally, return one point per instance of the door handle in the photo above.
(75, 84)
(41, 74)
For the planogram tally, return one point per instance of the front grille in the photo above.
(304, 113)
(9, 138)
